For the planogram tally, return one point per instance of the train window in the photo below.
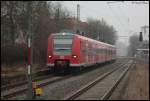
(100, 51)
(110, 52)
(62, 36)
(83, 45)
(62, 44)
(62, 41)
(104, 50)
(97, 50)
(84, 52)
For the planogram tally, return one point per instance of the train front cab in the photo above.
(63, 51)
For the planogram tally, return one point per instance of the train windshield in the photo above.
(62, 44)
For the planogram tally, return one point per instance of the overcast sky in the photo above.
(126, 17)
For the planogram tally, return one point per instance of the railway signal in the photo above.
(141, 37)
(82, 33)
(30, 93)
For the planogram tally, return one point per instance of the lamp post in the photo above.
(78, 19)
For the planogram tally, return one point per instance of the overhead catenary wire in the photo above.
(127, 20)
(117, 18)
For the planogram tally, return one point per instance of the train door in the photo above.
(86, 52)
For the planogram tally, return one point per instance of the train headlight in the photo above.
(63, 33)
(50, 56)
(74, 56)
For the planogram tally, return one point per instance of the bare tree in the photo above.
(46, 19)
(99, 28)
(134, 44)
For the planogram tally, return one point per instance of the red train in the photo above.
(66, 50)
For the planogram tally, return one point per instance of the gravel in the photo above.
(97, 91)
(135, 86)
(59, 90)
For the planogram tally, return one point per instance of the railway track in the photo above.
(79, 94)
(12, 85)
(9, 86)
(21, 89)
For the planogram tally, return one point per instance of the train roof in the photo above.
(83, 37)
(62, 33)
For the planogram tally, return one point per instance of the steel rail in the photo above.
(22, 91)
(9, 86)
(91, 84)
(110, 91)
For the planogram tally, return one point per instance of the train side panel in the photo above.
(76, 59)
